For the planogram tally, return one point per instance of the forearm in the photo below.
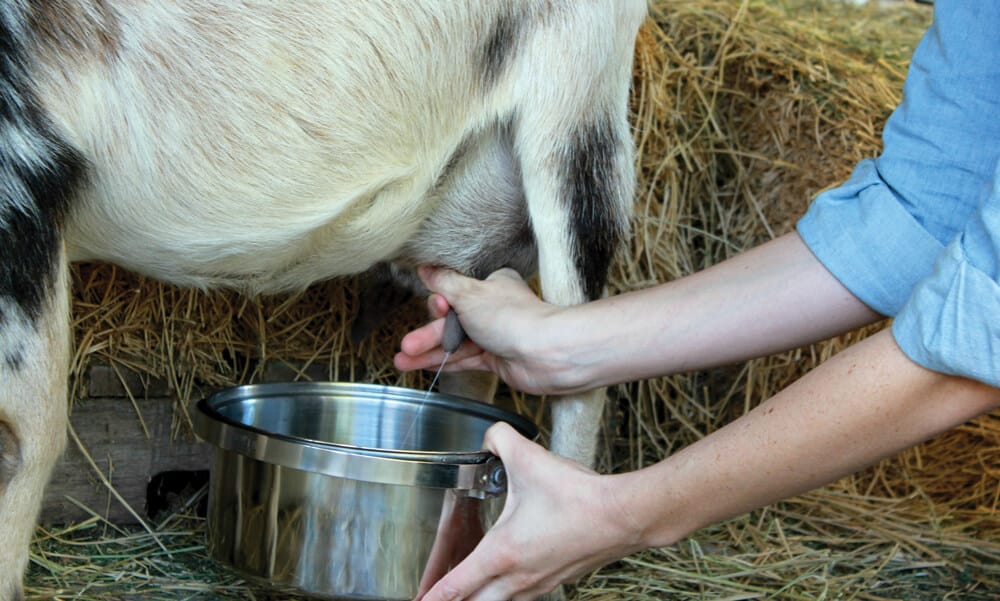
(864, 404)
(769, 299)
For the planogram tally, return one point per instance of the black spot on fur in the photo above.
(500, 47)
(34, 195)
(593, 185)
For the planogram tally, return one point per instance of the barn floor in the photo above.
(845, 553)
(101, 564)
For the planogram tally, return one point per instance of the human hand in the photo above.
(559, 521)
(506, 326)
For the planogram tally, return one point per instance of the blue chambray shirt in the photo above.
(915, 233)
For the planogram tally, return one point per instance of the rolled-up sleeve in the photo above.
(869, 241)
(951, 322)
(915, 233)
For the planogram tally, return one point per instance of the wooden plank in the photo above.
(105, 381)
(110, 430)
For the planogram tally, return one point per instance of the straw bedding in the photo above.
(743, 111)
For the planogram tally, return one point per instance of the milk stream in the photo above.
(416, 417)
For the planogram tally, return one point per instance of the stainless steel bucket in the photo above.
(348, 491)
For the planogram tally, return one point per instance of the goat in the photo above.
(264, 146)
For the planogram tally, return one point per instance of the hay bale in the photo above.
(744, 110)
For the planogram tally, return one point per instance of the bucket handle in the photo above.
(491, 480)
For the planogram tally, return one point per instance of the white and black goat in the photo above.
(266, 145)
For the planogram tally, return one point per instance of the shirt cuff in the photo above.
(951, 325)
(862, 234)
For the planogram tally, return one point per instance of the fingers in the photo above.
(437, 305)
(421, 349)
(423, 339)
(476, 303)
(481, 578)
(461, 583)
(419, 352)
(489, 575)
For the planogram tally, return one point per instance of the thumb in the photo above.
(507, 443)
(446, 282)
(506, 273)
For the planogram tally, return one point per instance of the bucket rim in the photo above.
(466, 470)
